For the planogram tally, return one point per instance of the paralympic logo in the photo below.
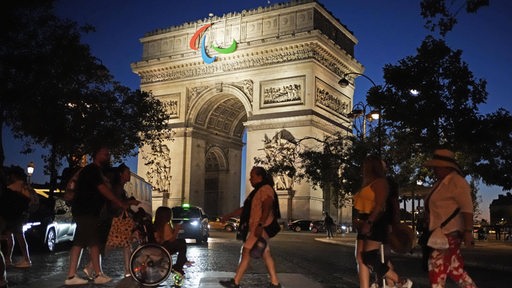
(207, 58)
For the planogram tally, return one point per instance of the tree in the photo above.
(56, 94)
(442, 17)
(281, 159)
(444, 112)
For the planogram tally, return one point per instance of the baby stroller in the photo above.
(150, 263)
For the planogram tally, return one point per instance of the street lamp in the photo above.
(360, 110)
(30, 171)
(375, 114)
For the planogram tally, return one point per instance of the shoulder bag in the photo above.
(438, 239)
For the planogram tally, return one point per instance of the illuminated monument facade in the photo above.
(270, 72)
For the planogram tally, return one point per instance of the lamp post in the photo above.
(360, 110)
(376, 114)
(30, 171)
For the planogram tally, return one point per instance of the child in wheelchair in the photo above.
(151, 261)
(166, 234)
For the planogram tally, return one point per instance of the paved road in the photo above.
(218, 260)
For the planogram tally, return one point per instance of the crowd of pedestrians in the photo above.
(99, 197)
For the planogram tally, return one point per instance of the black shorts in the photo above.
(87, 231)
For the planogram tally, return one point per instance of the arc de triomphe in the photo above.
(267, 72)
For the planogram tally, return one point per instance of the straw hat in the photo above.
(402, 238)
(443, 158)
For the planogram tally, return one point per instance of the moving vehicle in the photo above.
(229, 225)
(299, 225)
(194, 222)
(48, 227)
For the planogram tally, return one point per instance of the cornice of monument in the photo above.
(251, 12)
(158, 70)
(309, 118)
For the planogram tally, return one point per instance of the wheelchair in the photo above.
(150, 263)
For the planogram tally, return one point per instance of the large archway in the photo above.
(281, 74)
(221, 116)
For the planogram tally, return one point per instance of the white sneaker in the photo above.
(102, 279)
(75, 281)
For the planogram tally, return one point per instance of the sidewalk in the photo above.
(500, 259)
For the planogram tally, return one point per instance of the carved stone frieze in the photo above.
(330, 99)
(247, 86)
(279, 92)
(269, 57)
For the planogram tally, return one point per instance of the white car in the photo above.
(47, 228)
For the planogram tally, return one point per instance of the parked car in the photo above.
(299, 225)
(229, 225)
(194, 222)
(317, 226)
(49, 226)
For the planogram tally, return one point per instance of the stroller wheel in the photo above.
(150, 264)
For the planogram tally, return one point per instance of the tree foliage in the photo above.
(440, 16)
(56, 94)
(444, 113)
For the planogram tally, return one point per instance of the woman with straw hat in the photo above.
(451, 193)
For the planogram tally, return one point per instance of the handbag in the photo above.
(438, 239)
(120, 231)
(273, 228)
(402, 238)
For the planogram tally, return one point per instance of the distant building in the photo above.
(501, 210)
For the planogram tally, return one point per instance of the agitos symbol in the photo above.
(206, 58)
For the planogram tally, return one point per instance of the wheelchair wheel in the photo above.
(150, 264)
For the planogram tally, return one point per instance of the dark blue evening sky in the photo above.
(387, 32)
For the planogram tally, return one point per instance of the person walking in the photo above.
(14, 209)
(118, 177)
(92, 190)
(450, 192)
(3, 225)
(329, 225)
(257, 212)
(3, 266)
(372, 227)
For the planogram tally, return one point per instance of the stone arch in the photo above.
(217, 115)
(216, 165)
(200, 106)
(216, 159)
(249, 90)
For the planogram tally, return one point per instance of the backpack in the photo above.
(69, 192)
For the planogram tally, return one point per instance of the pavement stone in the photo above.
(208, 279)
(22, 278)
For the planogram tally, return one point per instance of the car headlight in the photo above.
(194, 223)
(27, 226)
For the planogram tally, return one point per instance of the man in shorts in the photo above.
(92, 191)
